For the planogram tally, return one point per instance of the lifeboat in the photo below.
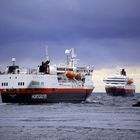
(70, 74)
(130, 81)
(78, 77)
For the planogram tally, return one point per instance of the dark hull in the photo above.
(120, 92)
(45, 98)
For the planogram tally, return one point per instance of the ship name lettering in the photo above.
(39, 96)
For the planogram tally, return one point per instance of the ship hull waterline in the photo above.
(45, 96)
(113, 91)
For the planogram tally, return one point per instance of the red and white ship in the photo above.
(67, 82)
(119, 84)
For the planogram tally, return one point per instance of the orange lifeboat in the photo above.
(70, 74)
(78, 77)
(130, 81)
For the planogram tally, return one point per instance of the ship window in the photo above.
(60, 73)
(59, 78)
(4, 84)
(69, 69)
(115, 81)
(20, 83)
(61, 69)
(35, 83)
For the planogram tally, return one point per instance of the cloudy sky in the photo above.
(105, 33)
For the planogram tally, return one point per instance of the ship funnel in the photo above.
(13, 61)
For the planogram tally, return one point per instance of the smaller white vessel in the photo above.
(119, 84)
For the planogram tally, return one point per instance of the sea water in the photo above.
(101, 117)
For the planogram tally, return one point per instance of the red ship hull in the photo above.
(45, 95)
(119, 91)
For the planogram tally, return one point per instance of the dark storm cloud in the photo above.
(98, 24)
(62, 19)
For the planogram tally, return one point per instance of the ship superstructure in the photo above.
(67, 82)
(119, 84)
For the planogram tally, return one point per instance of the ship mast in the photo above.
(73, 61)
(47, 54)
(13, 61)
(67, 53)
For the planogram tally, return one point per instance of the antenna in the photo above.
(73, 60)
(47, 54)
(67, 52)
(73, 55)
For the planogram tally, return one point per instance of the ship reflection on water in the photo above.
(101, 117)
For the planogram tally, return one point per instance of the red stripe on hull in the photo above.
(43, 91)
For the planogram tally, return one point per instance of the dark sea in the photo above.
(101, 117)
